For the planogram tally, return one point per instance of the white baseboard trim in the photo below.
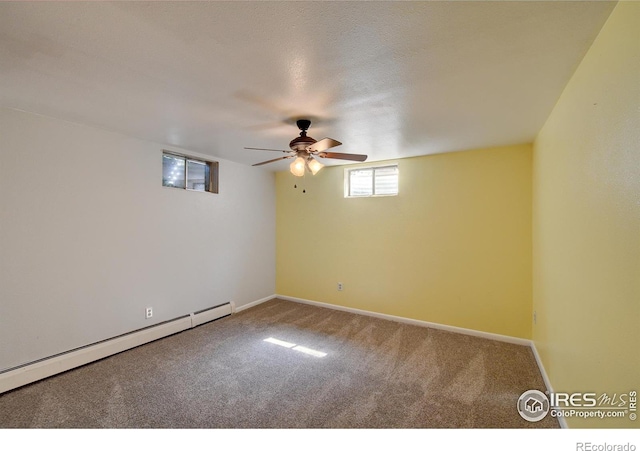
(547, 381)
(545, 377)
(252, 304)
(415, 322)
(60, 363)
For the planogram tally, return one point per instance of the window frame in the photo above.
(347, 180)
(213, 172)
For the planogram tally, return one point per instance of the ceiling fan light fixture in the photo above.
(304, 147)
(314, 165)
(297, 167)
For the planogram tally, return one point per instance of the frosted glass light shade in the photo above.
(315, 166)
(297, 167)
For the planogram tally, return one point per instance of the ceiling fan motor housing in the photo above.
(301, 143)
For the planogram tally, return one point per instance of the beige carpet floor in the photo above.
(375, 374)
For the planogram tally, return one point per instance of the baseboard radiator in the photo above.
(41, 369)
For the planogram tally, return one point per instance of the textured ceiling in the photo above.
(389, 79)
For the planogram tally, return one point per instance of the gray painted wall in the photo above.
(89, 238)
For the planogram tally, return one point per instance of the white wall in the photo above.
(89, 237)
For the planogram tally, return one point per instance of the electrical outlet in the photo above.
(340, 286)
(535, 317)
(148, 313)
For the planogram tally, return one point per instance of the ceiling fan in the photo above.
(304, 148)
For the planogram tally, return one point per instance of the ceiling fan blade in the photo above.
(272, 150)
(271, 161)
(343, 156)
(324, 144)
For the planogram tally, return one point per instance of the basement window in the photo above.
(371, 181)
(180, 171)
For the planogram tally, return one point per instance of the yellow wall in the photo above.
(454, 247)
(586, 212)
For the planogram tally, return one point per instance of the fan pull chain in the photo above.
(304, 190)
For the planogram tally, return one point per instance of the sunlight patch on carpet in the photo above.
(295, 347)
